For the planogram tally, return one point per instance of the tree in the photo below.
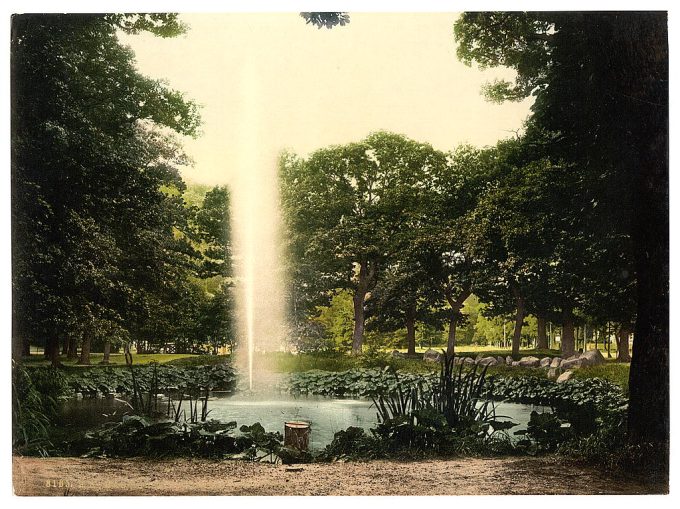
(325, 19)
(601, 84)
(212, 220)
(87, 170)
(344, 206)
(445, 246)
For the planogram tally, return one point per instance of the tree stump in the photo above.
(296, 435)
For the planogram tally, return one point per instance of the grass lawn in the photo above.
(615, 372)
(118, 359)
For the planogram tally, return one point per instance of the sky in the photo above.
(309, 88)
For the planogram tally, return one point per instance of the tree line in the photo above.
(105, 249)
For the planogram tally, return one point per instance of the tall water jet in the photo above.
(256, 226)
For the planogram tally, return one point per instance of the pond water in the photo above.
(326, 415)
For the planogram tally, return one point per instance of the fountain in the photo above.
(256, 218)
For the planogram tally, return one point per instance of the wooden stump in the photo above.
(296, 435)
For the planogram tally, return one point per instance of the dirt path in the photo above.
(469, 476)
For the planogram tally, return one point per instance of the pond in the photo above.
(326, 415)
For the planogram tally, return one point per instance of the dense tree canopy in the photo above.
(601, 86)
(102, 239)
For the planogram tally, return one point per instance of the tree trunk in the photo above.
(542, 340)
(622, 340)
(365, 277)
(519, 321)
(648, 414)
(358, 333)
(52, 350)
(411, 330)
(107, 352)
(85, 348)
(451, 343)
(64, 348)
(25, 346)
(567, 345)
(456, 305)
(72, 347)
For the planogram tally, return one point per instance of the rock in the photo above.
(469, 360)
(592, 358)
(398, 354)
(479, 357)
(488, 361)
(545, 362)
(573, 357)
(500, 360)
(571, 364)
(529, 362)
(515, 363)
(509, 360)
(432, 356)
(565, 376)
(554, 373)
(555, 363)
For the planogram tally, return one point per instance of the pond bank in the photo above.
(465, 476)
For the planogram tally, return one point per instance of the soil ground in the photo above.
(466, 476)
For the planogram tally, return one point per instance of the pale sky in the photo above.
(313, 88)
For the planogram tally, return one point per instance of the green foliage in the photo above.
(103, 381)
(32, 411)
(136, 436)
(544, 432)
(352, 443)
(325, 19)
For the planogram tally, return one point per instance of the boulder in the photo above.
(553, 373)
(469, 360)
(398, 354)
(545, 362)
(500, 360)
(488, 361)
(432, 356)
(514, 363)
(565, 376)
(573, 357)
(556, 362)
(529, 362)
(571, 364)
(592, 358)
(509, 360)
(479, 357)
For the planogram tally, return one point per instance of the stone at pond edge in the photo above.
(545, 362)
(529, 362)
(432, 356)
(556, 362)
(554, 373)
(571, 364)
(500, 360)
(488, 361)
(565, 376)
(592, 358)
